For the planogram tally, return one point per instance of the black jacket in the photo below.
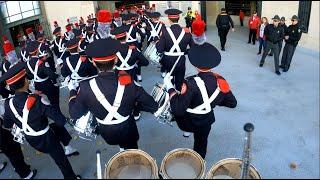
(294, 32)
(224, 21)
(273, 34)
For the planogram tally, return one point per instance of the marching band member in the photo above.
(30, 34)
(129, 58)
(59, 48)
(194, 114)
(9, 50)
(173, 43)
(24, 55)
(44, 50)
(89, 34)
(68, 34)
(117, 20)
(109, 97)
(82, 43)
(104, 20)
(30, 114)
(76, 66)
(154, 29)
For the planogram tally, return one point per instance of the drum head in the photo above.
(230, 169)
(182, 164)
(131, 164)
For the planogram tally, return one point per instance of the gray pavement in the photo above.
(284, 110)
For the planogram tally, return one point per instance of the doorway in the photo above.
(21, 28)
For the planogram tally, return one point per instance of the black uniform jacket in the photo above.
(192, 98)
(294, 32)
(83, 101)
(37, 119)
(86, 68)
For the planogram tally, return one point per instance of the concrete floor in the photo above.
(284, 110)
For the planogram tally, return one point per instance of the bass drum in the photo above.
(182, 164)
(230, 168)
(131, 164)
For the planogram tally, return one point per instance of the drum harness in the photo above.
(155, 30)
(59, 45)
(35, 72)
(90, 40)
(74, 71)
(206, 106)
(129, 37)
(124, 61)
(79, 45)
(112, 109)
(26, 129)
(23, 55)
(42, 53)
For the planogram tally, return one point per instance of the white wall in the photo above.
(288, 9)
(60, 11)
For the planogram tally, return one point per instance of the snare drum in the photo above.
(131, 164)
(230, 168)
(182, 164)
(85, 127)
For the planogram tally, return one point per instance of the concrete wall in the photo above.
(213, 9)
(287, 9)
(61, 10)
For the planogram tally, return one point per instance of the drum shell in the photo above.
(178, 152)
(128, 153)
(253, 173)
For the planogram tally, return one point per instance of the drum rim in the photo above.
(228, 159)
(153, 161)
(162, 168)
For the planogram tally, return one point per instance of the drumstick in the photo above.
(99, 173)
(81, 80)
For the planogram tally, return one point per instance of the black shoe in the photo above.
(278, 73)
(79, 177)
(4, 165)
(261, 64)
(253, 43)
(270, 54)
(249, 42)
(281, 66)
(285, 70)
(222, 49)
(34, 173)
(259, 53)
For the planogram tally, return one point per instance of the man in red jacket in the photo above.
(241, 16)
(254, 22)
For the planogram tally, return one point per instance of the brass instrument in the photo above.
(235, 168)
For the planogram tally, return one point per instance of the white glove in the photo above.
(59, 62)
(167, 82)
(158, 112)
(73, 85)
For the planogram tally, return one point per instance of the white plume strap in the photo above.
(103, 30)
(199, 39)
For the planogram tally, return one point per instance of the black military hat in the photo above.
(155, 15)
(204, 56)
(56, 30)
(126, 17)
(283, 18)
(89, 28)
(276, 17)
(103, 50)
(295, 17)
(173, 13)
(77, 33)
(223, 9)
(39, 35)
(119, 32)
(32, 47)
(14, 74)
(72, 43)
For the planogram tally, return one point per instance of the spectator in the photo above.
(254, 22)
(262, 37)
(241, 16)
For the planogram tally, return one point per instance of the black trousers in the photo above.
(50, 144)
(223, 36)
(252, 36)
(178, 77)
(61, 134)
(13, 151)
(200, 135)
(241, 22)
(287, 55)
(275, 49)
(201, 140)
